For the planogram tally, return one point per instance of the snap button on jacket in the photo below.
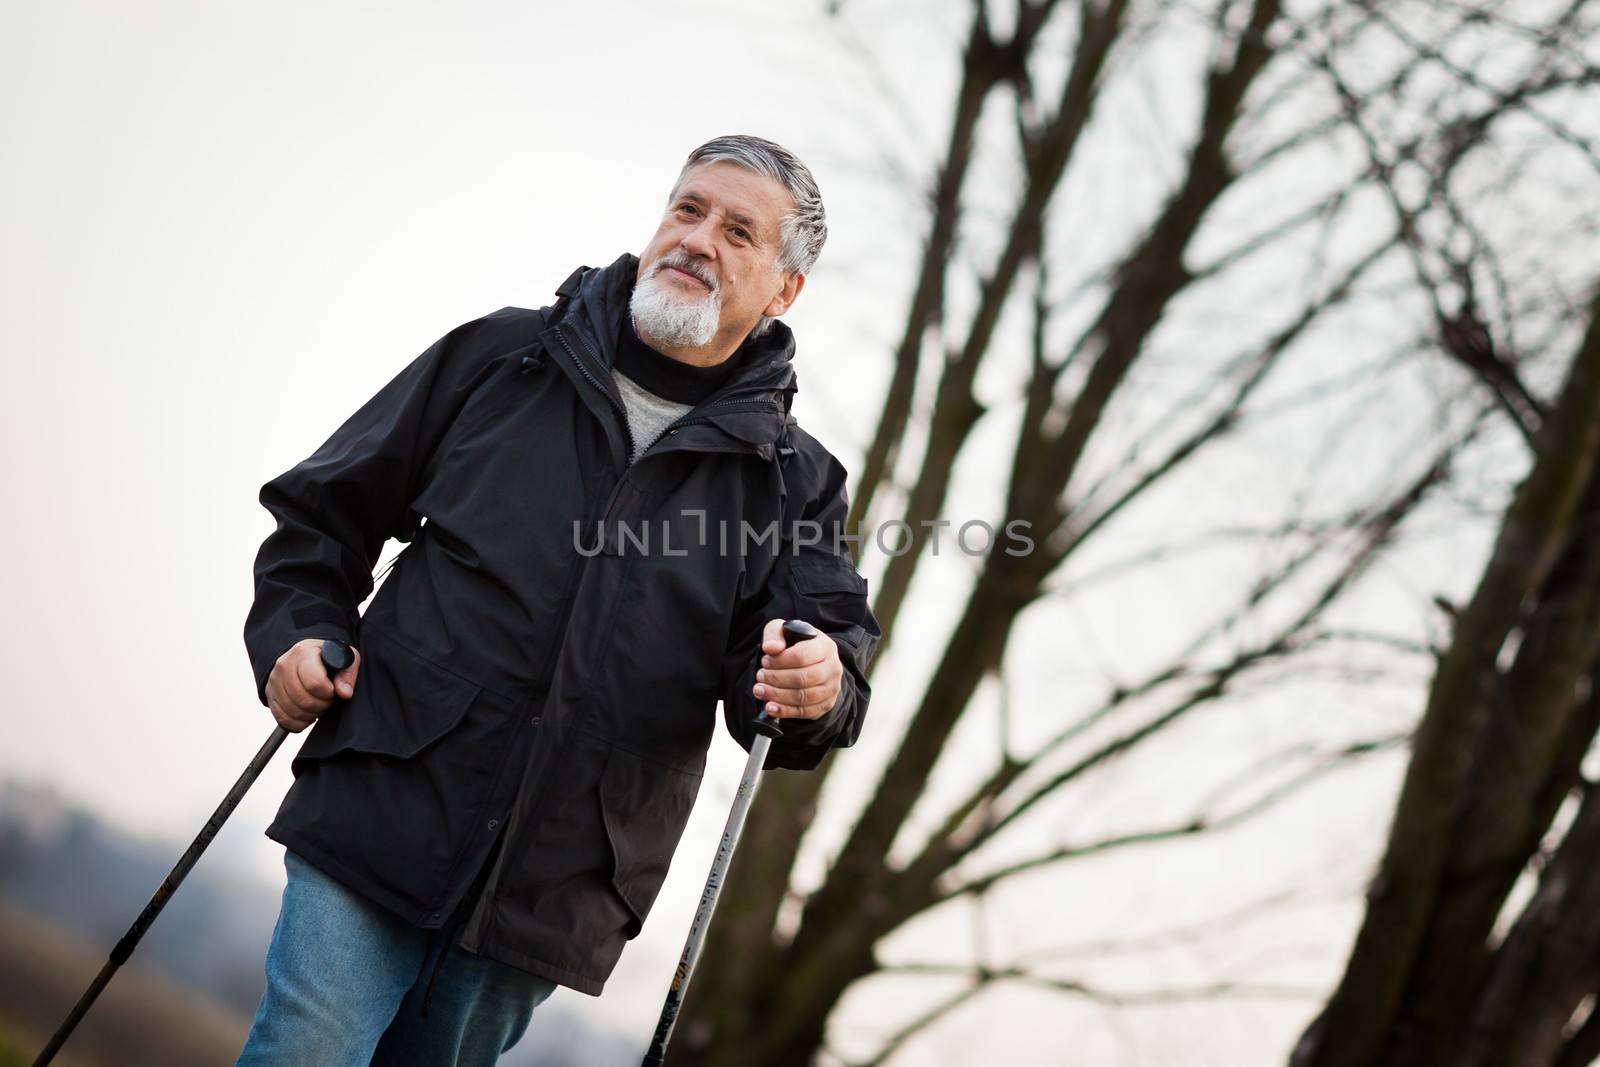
(537, 689)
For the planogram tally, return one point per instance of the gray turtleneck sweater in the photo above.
(648, 414)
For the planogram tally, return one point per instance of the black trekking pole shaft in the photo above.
(335, 656)
(766, 728)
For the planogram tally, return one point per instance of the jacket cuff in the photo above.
(806, 741)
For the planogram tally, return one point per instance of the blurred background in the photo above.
(1274, 326)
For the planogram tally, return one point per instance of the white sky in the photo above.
(226, 225)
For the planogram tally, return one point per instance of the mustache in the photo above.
(688, 264)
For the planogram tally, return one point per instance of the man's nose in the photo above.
(701, 240)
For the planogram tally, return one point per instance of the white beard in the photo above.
(671, 316)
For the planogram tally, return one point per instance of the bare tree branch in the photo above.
(1200, 824)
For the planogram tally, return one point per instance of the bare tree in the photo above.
(1513, 709)
(1326, 180)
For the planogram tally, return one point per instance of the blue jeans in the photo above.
(346, 982)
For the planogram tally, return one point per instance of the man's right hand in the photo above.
(299, 689)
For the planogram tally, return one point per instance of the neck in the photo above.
(716, 351)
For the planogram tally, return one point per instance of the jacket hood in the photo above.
(751, 406)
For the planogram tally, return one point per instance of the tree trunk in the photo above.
(1362, 1023)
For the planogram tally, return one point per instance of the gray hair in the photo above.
(802, 229)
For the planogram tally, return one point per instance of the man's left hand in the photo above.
(800, 681)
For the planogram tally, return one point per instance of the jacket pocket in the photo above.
(831, 574)
(645, 806)
(403, 703)
(829, 594)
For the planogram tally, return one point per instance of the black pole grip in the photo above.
(336, 656)
(794, 631)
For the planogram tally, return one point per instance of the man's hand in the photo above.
(800, 681)
(299, 690)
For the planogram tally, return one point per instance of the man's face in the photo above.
(717, 248)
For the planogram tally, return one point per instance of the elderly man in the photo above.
(609, 513)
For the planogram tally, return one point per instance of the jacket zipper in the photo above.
(610, 394)
(744, 405)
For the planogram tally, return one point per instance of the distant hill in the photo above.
(60, 862)
(143, 1019)
(70, 885)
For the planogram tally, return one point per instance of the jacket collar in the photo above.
(751, 406)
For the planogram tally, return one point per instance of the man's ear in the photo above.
(792, 284)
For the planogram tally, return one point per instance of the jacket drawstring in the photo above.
(427, 951)
(459, 918)
(445, 944)
(433, 978)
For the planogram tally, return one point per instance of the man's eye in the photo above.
(741, 233)
(688, 209)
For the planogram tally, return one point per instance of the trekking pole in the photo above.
(336, 656)
(766, 729)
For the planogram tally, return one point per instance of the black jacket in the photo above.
(526, 682)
